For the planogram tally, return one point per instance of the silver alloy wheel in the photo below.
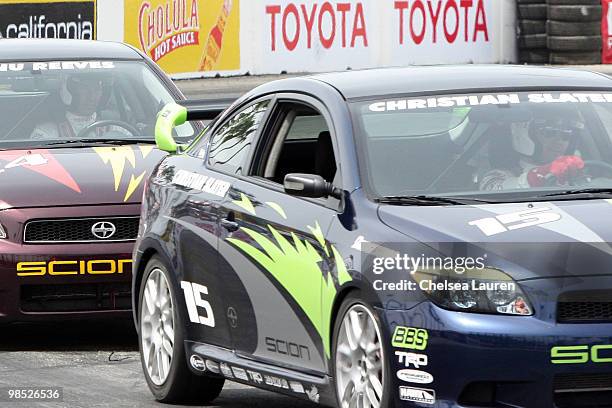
(157, 327)
(359, 360)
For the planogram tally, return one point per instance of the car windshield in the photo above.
(60, 102)
(502, 145)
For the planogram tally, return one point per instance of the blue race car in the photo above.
(433, 236)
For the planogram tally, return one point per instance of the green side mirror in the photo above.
(171, 115)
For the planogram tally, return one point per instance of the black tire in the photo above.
(540, 56)
(533, 41)
(575, 58)
(351, 299)
(574, 14)
(532, 11)
(527, 27)
(566, 29)
(578, 43)
(181, 385)
(575, 2)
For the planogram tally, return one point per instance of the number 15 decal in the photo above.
(193, 299)
(508, 222)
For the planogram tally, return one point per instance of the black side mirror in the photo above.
(310, 185)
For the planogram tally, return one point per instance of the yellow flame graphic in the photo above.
(117, 157)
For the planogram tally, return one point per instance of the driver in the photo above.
(82, 95)
(545, 147)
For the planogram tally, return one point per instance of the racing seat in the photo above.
(325, 162)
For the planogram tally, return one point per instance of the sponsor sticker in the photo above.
(240, 374)
(313, 394)
(201, 182)
(415, 376)
(255, 376)
(410, 338)
(226, 370)
(276, 382)
(414, 359)
(296, 387)
(213, 366)
(197, 362)
(426, 396)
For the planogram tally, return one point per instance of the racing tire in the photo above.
(359, 352)
(566, 29)
(575, 2)
(577, 43)
(526, 27)
(533, 41)
(532, 11)
(539, 56)
(574, 14)
(575, 58)
(172, 382)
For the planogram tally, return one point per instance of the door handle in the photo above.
(229, 224)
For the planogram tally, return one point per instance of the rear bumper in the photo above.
(63, 281)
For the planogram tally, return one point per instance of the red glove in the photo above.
(561, 168)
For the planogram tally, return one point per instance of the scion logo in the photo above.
(287, 348)
(581, 354)
(103, 229)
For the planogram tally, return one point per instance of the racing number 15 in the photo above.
(193, 299)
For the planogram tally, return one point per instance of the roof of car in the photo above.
(48, 49)
(456, 78)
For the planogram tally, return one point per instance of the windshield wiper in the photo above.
(429, 200)
(100, 141)
(579, 191)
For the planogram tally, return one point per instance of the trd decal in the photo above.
(42, 162)
(581, 354)
(76, 267)
(193, 299)
(408, 359)
(410, 338)
(287, 348)
(509, 222)
(117, 157)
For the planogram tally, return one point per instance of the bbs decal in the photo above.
(410, 338)
(195, 303)
(517, 220)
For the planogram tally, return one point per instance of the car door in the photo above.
(275, 243)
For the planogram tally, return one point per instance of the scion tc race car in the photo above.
(77, 125)
(403, 237)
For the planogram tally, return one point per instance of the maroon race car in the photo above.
(76, 144)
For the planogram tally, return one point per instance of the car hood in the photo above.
(527, 240)
(75, 176)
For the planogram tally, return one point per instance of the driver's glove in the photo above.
(561, 168)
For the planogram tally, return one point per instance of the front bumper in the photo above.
(39, 282)
(506, 361)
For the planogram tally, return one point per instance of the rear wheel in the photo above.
(161, 340)
(360, 368)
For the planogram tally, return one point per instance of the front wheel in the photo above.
(161, 340)
(360, 368)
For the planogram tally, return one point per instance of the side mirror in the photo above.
(310, 185)
(171, 115)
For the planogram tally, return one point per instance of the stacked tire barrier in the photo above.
(559, 31)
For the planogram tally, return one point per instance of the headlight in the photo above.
(484, 290)
(2, 232)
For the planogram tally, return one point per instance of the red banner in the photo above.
(606, 32)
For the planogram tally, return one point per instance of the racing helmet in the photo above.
(72, 81)
(564, 123)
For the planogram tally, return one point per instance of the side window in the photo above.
(300, 143)
(232, 142)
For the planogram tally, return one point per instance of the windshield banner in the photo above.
(186, 35)
(48, 19)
